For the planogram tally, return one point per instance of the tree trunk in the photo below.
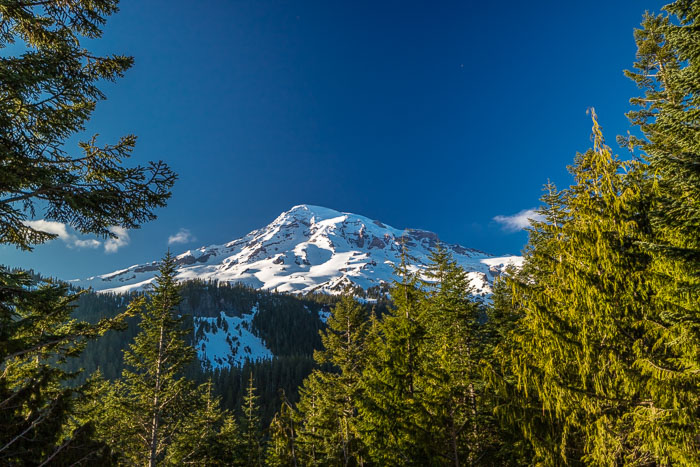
(156, 411)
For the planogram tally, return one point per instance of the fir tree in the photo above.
(50, 89)
(250, 424)
(392, 420)
(315, 418)
(526, 431)
(668, 71)
(153, 407)
(36, 405)
(330, 424)
(207, 435)
(282, 449)
(584, 297)
(460, 423)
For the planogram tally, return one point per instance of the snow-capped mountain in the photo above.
(310, 249)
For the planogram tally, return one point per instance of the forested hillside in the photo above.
(288, 324)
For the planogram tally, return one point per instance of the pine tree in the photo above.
(392, 420)
(316, 418)
(584, 298)
(36, 406)
(528, 434)
(282, 449)
(516, 409)
(49, 91)
(207, 434)
(668, 70)
(460, 423)
(329, 399)
(250, 424)
(149, 404)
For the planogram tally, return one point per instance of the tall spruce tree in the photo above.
(584, 296)
(392, 419)
(49, 83)
(250, 427)
(515, 407)
(313, 418)
(461, 425)
(207, 435)
(330, 426)
(154, 415)
(668, 71)
(37, 406)
(282, 449)
(534, 434)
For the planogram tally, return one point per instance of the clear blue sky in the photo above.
(433, 115)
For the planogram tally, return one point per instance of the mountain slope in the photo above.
(310, 249)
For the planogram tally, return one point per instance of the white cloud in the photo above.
(182, 236)
(61, 230)
(87, 243)
(518, 221)
(122, 239)
(71, 240)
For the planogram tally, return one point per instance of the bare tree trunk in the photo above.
(475, 432)
(156, 411)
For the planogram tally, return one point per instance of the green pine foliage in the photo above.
(293, 341)
(282, 449)
(461, 424)
(151, 398)
(37, 335)
(50, 90)
(207, 435)
(587, 355)
(310, 434)
(584, 298)
(251, 430)
(329, 434)
(50, 81)
(154, 415)
(392, 418)
(668, 71)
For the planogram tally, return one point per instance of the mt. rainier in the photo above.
(310, 249)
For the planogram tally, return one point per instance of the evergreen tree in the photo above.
(392, 420)
(460, 423)
(282, 449)
(36, 405)
(251, 431)
(668, 70)
(207, 436)
(516, 400)
(313, 433)
(584, 298)
(516, 409)
(330, 416)
(154, 415)
(49, 90)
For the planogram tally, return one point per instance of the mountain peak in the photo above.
(306, 249)
(310, 211)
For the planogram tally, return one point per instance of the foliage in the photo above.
(251, 431)
(668, 71)
(50, 86)
(50, 89)
(329, 434)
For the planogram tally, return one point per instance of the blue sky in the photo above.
(433, 115)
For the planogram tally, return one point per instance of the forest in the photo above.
(589, 354)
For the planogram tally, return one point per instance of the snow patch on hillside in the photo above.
(227, 341)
